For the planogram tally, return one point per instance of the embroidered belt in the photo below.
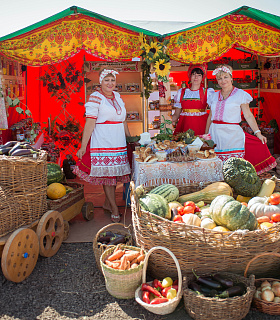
(193, 110)
(222, 122)
(109, 122)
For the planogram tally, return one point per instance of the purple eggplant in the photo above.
(5, 150)
(208, 282)
(23, 152)
(10, 144)
(227, 283)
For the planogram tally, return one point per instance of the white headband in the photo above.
(224, 69)
(105, 72)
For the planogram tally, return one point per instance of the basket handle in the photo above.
(175, 260)
(108, 227)
(258, 256)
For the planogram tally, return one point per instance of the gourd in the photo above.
(56, 191)
(267, 188)
(155, 204)
(54, 173)
(167, 191)
(207, 194)
(261, 207)
(243, 199)
(241, 175)
(208, 223)
(221, 229)
(231, 214)
(191, 219)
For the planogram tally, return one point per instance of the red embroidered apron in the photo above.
(196, 123)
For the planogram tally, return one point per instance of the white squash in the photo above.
(191, 219)
(261, 207)
(208, 223)
(267, 188)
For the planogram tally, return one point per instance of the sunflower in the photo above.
(153, 50)
(162, 68)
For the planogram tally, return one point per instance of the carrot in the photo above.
(116, 255)
(142, 251)
(131, 256)
(123, 263)
(113, 265)
(140, 258)
(117, 248)
(127, 265)
(133, 261)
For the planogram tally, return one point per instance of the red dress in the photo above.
(193, 114)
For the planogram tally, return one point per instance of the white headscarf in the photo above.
(105, 72)
(224, 69)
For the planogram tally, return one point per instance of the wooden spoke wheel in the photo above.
(20, 254)
(87, 210)
(50, 231)
(66, 230)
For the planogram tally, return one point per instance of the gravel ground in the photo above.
(69, 286)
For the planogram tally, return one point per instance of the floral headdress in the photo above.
(105, 72)
(224, 69)
(202, 67)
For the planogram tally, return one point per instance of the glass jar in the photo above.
(161, 155)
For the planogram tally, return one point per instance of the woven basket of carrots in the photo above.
(122, 269)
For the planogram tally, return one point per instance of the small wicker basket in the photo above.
(99, 248)
(166, 307)
(271, 308)
(121, 284)
(200, 307)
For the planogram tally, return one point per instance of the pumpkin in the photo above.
(207, 194)
(208, 223)
(267, 188)
(191, 219)
(167, 191)
(155, 204)
(56, 191)
(230, 213)
(261, 207)
(243, 199)
(241, 175)
(221, 229)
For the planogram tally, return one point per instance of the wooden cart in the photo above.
(20, 249)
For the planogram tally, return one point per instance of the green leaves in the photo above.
(19, 110)
(16, 102)
(10, 101)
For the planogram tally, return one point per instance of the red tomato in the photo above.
(275, 217)
(178, 218)
(188, 209)
(189, 203)
(274, 199)
(245, 204)
(197, 209)
(180, 211)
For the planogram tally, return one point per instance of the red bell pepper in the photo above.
(159, 300)
(146, 297)
(164, 291)
(157, 285)
(146, 287)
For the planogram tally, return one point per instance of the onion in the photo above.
(276, 299)
(265, 284)
(267, 295)
(258, 294)
(275, 283)
(266, 288)
(276, 290)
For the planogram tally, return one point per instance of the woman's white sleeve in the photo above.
(210, 92)
(177, 98)
(246, 97)
(92, 106)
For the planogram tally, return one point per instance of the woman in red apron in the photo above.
(191, 103)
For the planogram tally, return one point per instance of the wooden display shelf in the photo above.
(8, 77)
(270, 90)
(130, 121)
(127, 92)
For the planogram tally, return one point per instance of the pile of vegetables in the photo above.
(216, 286)
(268, 291)
(16, 148)
(125, 259)
(159, 291)
(111, 238)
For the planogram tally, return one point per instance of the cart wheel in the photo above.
(50, 231)
(66, 230)
(87, 210)
(20, 254)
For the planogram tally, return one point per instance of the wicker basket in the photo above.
(264, 306)
(166, 307)
(69, 199)
(26, 180)
(200, 307)
(121, 284)
(119, 228)
(201, 249)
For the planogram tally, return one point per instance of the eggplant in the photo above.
(10, 144)
(223, 281)
(5, 150)
(107, 233)
(195, 287)
(22, 152)
(232, 292)
(104, 239)
(117, 240)
(15, 147)
(28, 146)
(208, 282)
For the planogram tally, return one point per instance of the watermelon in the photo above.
(54, 174)
(155, 204)
(167, 191)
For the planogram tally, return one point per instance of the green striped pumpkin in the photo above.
(54, 173)
(155, 204)
(167, 191)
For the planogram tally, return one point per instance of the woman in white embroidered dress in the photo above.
(223, 124)
(106, 129)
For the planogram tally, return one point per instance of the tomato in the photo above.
(275, 217)
(197, 209)
(178, 218)
(189, 203)
(274, 199)
(180, 211)
(245, 204)
(188, 209)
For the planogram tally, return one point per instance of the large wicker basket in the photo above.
(26, 180)
(262, 305)
(198, 248)
(200, 307)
